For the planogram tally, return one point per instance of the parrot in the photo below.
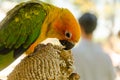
(29, 23)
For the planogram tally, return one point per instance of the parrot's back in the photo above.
(21, 27)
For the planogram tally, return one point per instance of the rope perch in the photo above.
(47, 62)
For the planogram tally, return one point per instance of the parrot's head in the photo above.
(65, 28)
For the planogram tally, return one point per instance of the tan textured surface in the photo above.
(48, 62)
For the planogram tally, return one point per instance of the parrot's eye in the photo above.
(68, 35)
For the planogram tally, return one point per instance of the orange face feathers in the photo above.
(68, 26)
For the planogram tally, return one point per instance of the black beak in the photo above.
(68, 45)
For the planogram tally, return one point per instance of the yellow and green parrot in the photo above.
(29, 23)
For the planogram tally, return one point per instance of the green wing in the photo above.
(21, 27)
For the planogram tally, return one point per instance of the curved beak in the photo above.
(68, 45)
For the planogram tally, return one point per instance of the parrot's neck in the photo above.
(49, 21)
(50, 10)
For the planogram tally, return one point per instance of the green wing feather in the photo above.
(21, 27)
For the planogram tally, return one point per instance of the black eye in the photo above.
(68, 35)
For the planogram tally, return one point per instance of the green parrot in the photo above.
(30, 23)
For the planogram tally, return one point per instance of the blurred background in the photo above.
(107, 33)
